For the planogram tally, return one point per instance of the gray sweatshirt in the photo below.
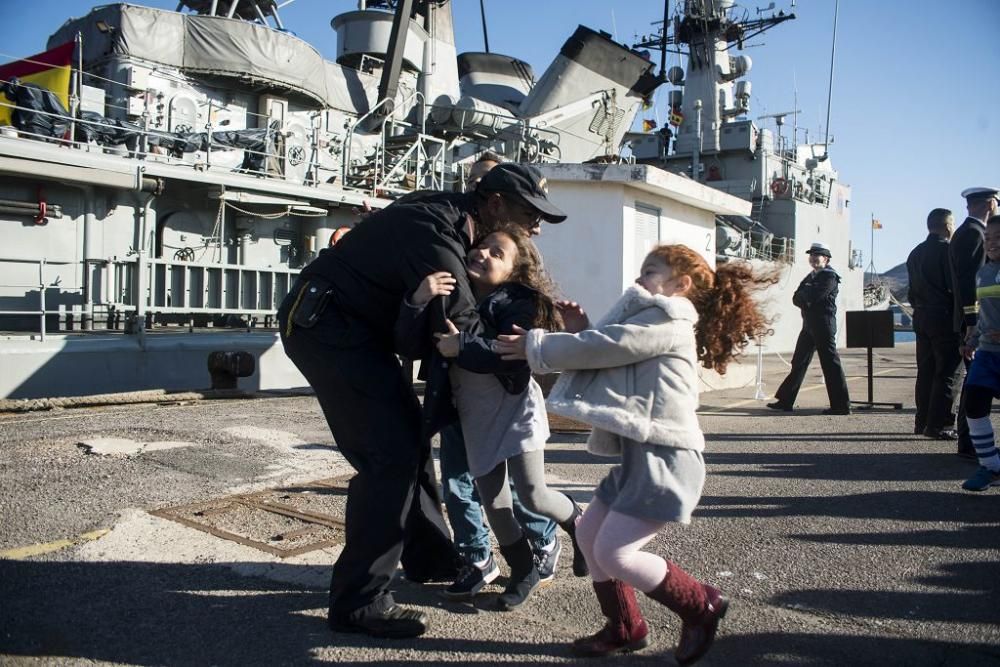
(988, 301)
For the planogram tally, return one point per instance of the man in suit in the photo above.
(967, 255)
(816, 297)
(933, 302)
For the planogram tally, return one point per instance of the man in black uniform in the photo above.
(816, 297)
(933, 302)
(966, 254)
(337, 327)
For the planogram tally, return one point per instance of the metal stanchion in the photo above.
(760, 395)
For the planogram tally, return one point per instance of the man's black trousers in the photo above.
(393, 505)
(938, 362)
(818, 335)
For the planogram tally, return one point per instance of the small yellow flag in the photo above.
(876, 224)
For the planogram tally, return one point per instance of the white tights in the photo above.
(611, 541)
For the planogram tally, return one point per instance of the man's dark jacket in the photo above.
(967, 254)
(387, 254)
(929, 274)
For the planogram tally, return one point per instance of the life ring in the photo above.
(780, 187)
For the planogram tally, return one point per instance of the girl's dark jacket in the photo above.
(507, 305)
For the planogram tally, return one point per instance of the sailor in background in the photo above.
(816, 297)
(933, 301)
(967, 255)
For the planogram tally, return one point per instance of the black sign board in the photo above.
(870, 328)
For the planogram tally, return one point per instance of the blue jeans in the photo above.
(472, 538)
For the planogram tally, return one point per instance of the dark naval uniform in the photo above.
(337, 327)
(816, 297)
(966, 254)
(938, 358)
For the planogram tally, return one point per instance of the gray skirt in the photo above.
(497, 425)
(654, 482)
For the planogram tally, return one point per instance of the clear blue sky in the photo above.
(916, 105)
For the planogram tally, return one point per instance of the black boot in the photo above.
(580, 568)
(523, 574)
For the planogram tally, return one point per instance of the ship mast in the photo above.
(711, 96)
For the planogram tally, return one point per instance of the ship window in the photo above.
(647, 234)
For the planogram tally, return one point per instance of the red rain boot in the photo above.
(700, 607)
(625, 631)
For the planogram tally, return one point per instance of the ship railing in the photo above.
(143, 151)
(399, 155)
(797, 186)
(178, 287)
(188, 291)
(42, 311)
(764, 247)
(532, 144)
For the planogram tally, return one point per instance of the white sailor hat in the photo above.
(818, 248)
(980, 193)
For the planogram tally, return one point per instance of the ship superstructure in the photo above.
(797, 196)
(161, 208)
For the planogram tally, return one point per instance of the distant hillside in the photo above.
(897, 278)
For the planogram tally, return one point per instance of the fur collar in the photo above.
(636, 299)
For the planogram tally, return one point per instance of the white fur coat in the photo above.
(634, 374)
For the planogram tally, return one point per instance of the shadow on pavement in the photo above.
(903, 467)
(830, 436)
(960, 537)
(956, 508)
(971, 599)
(170, 614)
(840, 650)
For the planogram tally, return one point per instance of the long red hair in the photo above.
(728, 315)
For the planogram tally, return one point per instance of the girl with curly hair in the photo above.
(634, 378)
(500, 407)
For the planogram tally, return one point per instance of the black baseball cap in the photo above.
(527, 183)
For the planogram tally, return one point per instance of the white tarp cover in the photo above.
(209, 45)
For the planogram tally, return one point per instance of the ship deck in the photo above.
(841, 540)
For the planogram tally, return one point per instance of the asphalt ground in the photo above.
(841, 540)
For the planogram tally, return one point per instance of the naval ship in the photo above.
(157, 204)
(796, 194)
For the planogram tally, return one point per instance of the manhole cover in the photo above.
(284, 522)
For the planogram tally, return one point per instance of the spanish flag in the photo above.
(50, 70)
(648, 125)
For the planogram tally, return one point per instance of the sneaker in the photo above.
(982, 480)
(546, 561)
(471, 580)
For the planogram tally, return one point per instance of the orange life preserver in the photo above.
(779, 187)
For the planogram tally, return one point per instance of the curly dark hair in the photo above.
(528, 271)
(728, 315)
